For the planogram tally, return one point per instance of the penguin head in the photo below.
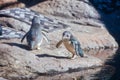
(67, 35)
(36, 20)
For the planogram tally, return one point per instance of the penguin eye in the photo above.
(67, 35)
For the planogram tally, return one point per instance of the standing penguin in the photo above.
(71, 44)
(35, 36)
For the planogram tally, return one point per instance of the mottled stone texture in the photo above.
(85, 23)
(19, 61)
(82, 18)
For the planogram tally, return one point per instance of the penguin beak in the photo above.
(65, 38)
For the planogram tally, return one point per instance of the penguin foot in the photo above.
(38, 48)
(73, 57)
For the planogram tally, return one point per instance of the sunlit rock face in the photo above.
(82, 14)
(85, 23)
(69, 9)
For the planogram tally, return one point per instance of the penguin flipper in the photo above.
(78, 49)
(45, 37)
(59, 43)
(81, 52)
(24, 37)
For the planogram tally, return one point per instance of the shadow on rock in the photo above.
(18, 45)
(30, 3)
(47, 55)
(109, 12)
(109, 16)
(115, 62)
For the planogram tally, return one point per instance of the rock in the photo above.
(9, 33)
(85, 16)
(68, 9)
(6, 1)
(2, 78)
(11, 22)
(89, 37)
(90, 74)
(85, 24)
(26, 15)
(17, 61)
(22, 62)
(10, 4)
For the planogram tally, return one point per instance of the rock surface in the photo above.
(20, 61)
(102, 13)
(2, 78)
(75, 13)
(90, 37)
(82, 75)
(10, 4)
(68, 9)
(17, 61)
